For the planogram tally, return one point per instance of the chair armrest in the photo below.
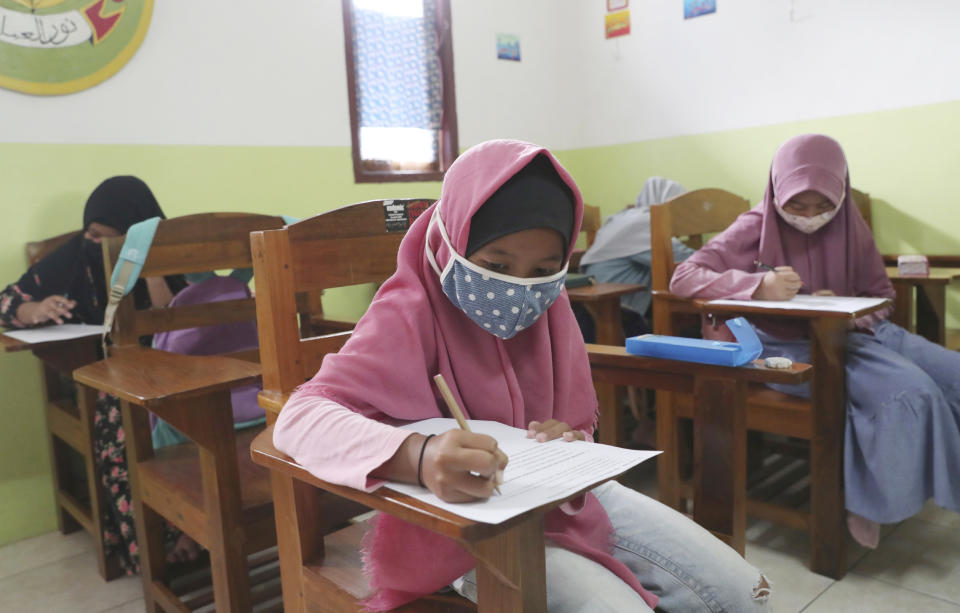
(611, 358)
(389, 501)
(148, 377)
(272, 402)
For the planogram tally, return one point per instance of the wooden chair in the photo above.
(588, 227)
(792, 419)
(78, 493)
(348, 246)
(208, 488)
(920, 303)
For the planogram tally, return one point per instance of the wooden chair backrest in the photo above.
(689, 215)
(37, 250)
(862, 200)
(348, 246)
(189, 244)
(591, 222)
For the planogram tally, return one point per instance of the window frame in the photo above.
(447, 147)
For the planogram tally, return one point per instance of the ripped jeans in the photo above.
(686, 566)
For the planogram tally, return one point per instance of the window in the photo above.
(403, 118)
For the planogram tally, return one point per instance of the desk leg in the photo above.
(720, 458)
(828, 534)
(518, 555)
(606, 317)
(931, 312)
(903, 305)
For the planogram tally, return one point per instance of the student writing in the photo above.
(478, 297)
(902, 437)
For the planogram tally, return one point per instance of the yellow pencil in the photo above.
(454, 407)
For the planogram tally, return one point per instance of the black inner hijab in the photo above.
(535, 197)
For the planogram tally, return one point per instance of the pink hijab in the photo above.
(412, 331)
(841, 256)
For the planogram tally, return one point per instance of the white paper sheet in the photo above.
(842, 304)
(536, 474)
(48, 334)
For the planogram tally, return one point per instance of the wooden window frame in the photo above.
(447, 148)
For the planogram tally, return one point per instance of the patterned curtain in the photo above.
(397, 70)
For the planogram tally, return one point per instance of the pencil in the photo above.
(764, 266)
(454, 407)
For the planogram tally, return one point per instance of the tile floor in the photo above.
(916, 568)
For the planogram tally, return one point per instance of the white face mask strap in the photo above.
(435, 219)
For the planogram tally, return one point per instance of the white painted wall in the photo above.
(756, 62)
(240, 72)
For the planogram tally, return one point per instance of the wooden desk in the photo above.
(720, 426)
(931, 300)
(69, 417)
(211, 490)
(602, 301)
(512, 552)
(828, 397)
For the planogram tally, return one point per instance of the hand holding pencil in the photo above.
(780, 283)
(475, 444)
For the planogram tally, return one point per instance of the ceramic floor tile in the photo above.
(940, 516)
(781, 554)
(795, 543)
(920, 556)
(858, 594)
(39, 550)
(69, 584)
(134, 606)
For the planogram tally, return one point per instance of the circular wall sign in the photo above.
(63, 46)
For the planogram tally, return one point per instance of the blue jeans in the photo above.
(686, 566)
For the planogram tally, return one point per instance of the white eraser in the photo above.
(777, 362)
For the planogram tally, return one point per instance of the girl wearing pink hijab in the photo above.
(478, 296)
(902, 439)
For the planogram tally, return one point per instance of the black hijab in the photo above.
(535, 197)
(75, 269)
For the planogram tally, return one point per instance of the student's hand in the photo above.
(824, 292)
(56, 308)
(782, 283)
(551, 429)
(460, 466)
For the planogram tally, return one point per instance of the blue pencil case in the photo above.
(747, 348)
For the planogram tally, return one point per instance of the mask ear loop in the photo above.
(435, 219)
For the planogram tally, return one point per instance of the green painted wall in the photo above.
(905, 159)
(44, 188)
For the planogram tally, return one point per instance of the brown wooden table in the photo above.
(828, 394)
(211, 490)
(720, 425)
(930, 294)
(69, 419)
(602, 301)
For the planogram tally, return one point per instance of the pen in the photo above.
(454, 407)
(764, 266)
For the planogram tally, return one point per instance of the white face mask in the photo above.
(807, 225)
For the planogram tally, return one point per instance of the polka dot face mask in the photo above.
(502, 305)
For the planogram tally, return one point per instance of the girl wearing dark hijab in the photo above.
(69, 285)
